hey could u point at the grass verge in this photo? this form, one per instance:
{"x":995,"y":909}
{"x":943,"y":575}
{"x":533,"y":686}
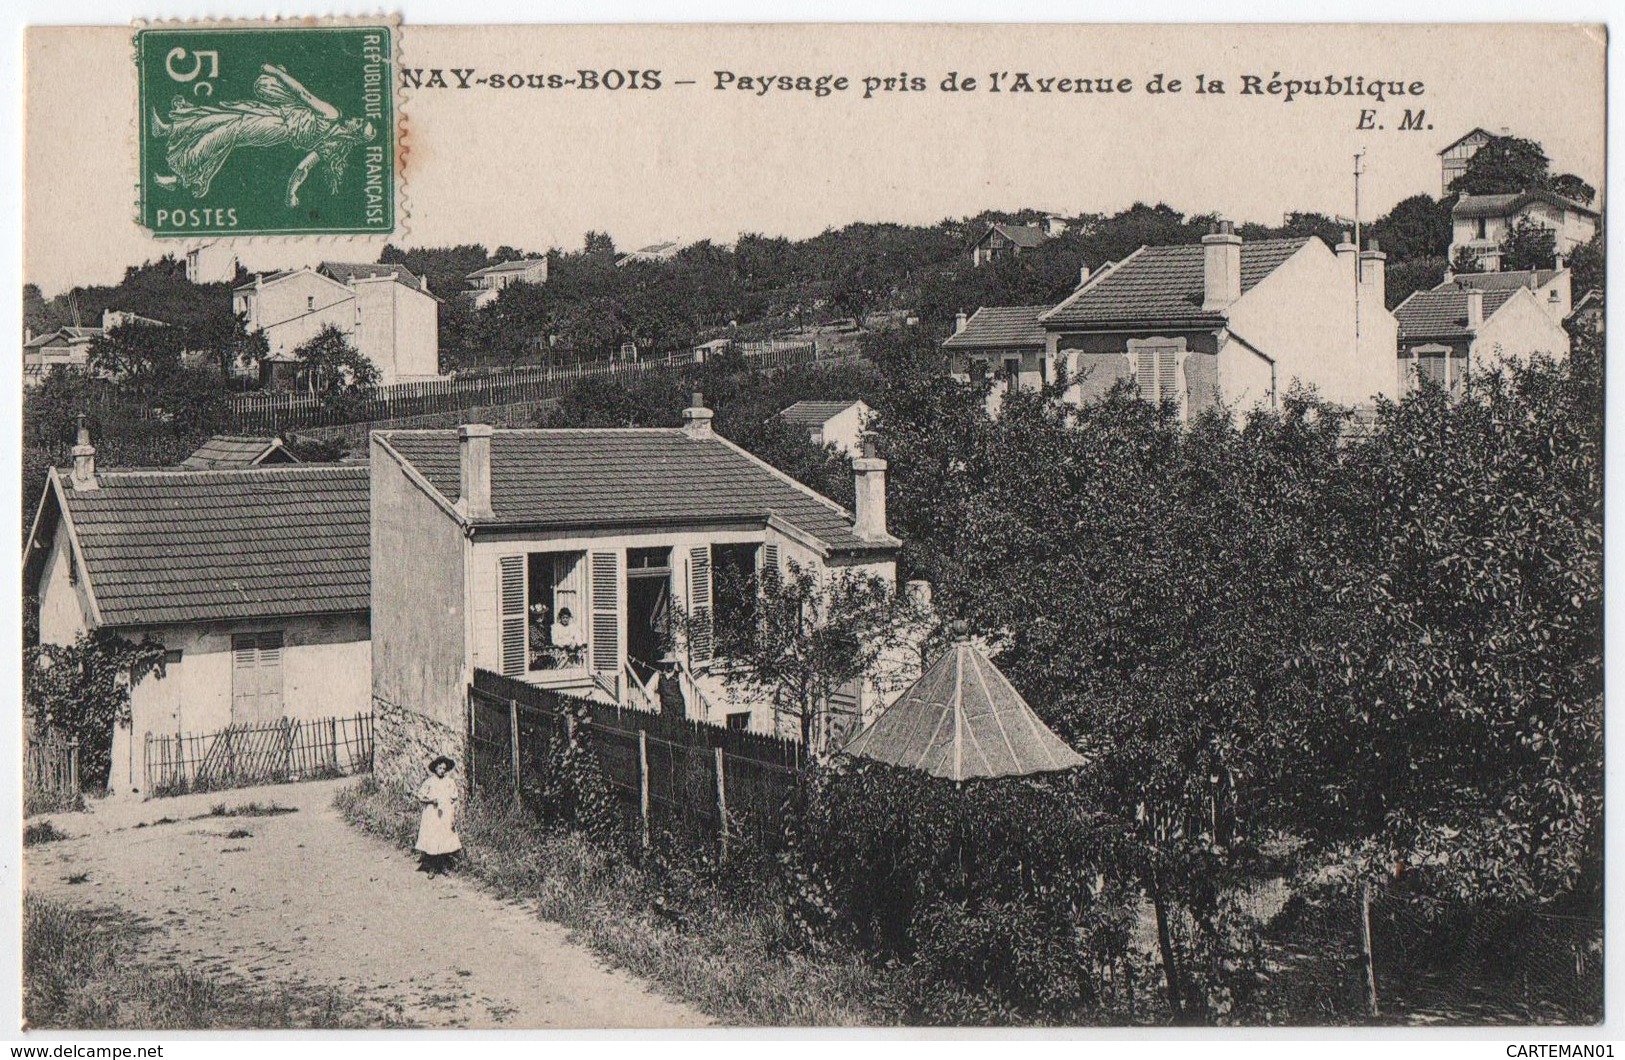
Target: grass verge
{"x":723,"y":954}
{"x":82,"y":970}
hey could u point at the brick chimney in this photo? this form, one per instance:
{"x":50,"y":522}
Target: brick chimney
{"x":84,"y":461}
{"x":960,"y":320}
{"x":1221,"y":267}
{"x":474,"y":461}
{"x":697,"y":418}
{"x":1374,"y":271}
{"x":869,"y":476}
{"x":1475,"y":308}
{"x":1083,"y":275}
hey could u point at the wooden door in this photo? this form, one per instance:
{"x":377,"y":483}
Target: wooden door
{"x":256,"y":678}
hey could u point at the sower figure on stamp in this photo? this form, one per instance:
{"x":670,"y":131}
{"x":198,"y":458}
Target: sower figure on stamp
{"x":202,"y":136}
{"x":437,"y":828}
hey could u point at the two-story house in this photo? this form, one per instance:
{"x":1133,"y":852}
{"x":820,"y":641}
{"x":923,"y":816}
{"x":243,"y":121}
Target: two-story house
{"x":388,"y":313}
{"x":560,"y":557}
{"x":1223,"y":323}
{"x":1469,"y":321}
{"x":485,"y":284}
{"x":254,"y":580}
{"x":1478,"y":223}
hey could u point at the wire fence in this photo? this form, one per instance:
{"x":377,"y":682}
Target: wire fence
{"x":241,"y":755}
{"x":1388,"y":954}
{"x":276,"y":412}
{"x":674,"y":779}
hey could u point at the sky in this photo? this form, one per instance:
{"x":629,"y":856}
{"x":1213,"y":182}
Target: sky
{"x":538,"y":168}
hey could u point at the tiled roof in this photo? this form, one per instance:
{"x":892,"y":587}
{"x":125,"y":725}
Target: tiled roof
{"x":185,"y":546}
{"x":1163,"y":285}
{"x":521,"y":265}
{"x":963,"y":719}
{"x":619,"y":477}
{"x":813,"y":413}
{"x":1442,"y":312}
{"x":1000,"y":325}
{"x":269,"y":277}
{"x":1502,"y":205}
{"x":1500,"y":281}
{"x":344,"y":272}
{"x":1022,"y":236}
{"x":234,"y":451}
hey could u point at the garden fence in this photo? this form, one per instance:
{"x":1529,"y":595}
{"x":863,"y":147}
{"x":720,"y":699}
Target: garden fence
{"x":276,"y":412}
{"x":261,"y":754}
{"x":1385,"y":954}
{"x":51,"y":769}
{"x":673,"y":777}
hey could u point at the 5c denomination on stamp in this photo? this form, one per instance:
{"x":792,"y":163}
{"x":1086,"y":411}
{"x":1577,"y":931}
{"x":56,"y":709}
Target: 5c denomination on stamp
{"x":285,"y":130}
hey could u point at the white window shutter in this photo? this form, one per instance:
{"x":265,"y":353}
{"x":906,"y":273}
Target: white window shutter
{"x":512,"y":607}
{"x":699,"y":606}
{"x":1145,"y":374}
{"x":606,"y":612}
{"x":772,"y":573}
{"x":1167,"y":374}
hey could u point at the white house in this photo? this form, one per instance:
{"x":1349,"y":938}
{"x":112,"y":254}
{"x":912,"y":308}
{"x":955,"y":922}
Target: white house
{"x":1222,"y":323}
{"x":484,"y":284}
{"x":1478,"y":223}
{"x":1468,"y":322}
{"x":558,"y":556}
{"x":255,"y":581}
{"x":211,"y":262}
{"x":389,"y":314}
{"x":837,"y":423}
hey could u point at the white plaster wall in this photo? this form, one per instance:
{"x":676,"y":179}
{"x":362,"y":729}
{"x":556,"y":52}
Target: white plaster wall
{"x":64,"y":608}
{"x":1302,"y":315}
{"x":1245,"y":378}
{"x":417,"y":334}
{"x":1519,"y":328}
{"x":280,"y":309}
{"x":326,"y":672}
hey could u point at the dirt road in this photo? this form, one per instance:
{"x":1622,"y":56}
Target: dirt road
{"x":302,"y":898}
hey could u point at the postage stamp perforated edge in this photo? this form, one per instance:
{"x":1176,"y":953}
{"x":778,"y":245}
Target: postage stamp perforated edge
{"x":398,"y":133}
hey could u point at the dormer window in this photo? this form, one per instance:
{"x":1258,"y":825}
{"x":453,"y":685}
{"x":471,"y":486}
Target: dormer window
{"x":310,"y":303}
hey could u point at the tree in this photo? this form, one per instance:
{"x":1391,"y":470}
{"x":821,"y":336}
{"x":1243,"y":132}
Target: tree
{"x":335,"y":372}
{"x":1416,"y":228}
{"x":598,"y":244}
{"x":804,"y":634}
{"x":137,"y":353}
{"x":83,"y":690}
{"x":1573,"y":188}
{"x":1504,"y":165}
{"x":1528,"y":245}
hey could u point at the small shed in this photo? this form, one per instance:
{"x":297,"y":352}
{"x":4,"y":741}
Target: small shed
{"x":233,"y":451}
{"x":963,"y":720}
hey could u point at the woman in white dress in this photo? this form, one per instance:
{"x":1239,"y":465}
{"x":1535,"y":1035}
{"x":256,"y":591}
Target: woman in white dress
{"x":437,"y":828}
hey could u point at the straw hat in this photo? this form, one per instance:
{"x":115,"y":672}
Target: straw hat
{"x":437,"y":759}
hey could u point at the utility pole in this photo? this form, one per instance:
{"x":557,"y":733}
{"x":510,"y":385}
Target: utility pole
{"x":1359,"y":266}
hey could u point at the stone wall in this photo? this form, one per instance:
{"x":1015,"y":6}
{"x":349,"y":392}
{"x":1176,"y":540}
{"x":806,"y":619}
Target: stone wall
{"x":405,"y":741}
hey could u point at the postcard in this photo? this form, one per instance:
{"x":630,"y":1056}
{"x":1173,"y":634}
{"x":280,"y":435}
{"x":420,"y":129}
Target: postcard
{"x":536,"y":527}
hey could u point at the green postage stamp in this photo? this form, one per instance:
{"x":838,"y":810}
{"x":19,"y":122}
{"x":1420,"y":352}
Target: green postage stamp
{"x":285,"y":130}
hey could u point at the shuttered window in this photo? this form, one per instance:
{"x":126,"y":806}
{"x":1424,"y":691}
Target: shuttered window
{"x":699,"y":606}
{"x":606,"y":612}
{"x":1156,"y":370}
{"x":772,"y":576}
{"x":256,"y":678}
{"x":511,"y":614}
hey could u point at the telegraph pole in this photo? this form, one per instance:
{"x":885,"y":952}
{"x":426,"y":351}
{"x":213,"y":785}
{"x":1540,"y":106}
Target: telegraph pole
{"x":1359,"y":266}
